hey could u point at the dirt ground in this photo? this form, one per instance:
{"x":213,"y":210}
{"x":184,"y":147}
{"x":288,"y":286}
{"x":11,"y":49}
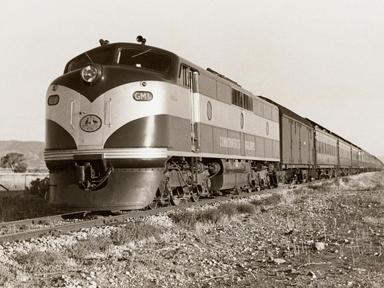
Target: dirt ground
{"x":324,"y":234}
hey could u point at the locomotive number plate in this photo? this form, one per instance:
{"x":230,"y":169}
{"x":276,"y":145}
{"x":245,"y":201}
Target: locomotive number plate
{"x":90,"y":123}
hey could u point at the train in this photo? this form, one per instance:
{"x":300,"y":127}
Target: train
{"x":131,"y":126}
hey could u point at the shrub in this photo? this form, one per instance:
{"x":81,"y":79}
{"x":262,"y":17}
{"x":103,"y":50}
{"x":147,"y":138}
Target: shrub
{"x":39,"y":187}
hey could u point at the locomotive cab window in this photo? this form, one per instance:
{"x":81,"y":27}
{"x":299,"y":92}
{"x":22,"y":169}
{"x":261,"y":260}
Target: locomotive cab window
{"x":103,"y":57}
{"x":144,"y":59}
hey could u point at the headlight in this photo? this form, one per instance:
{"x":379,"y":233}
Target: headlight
{"x":90,"y":73}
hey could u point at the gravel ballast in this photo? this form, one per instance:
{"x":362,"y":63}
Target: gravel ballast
{"x":328,"y":233}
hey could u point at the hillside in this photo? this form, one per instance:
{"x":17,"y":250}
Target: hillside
{"x":32,"y":150}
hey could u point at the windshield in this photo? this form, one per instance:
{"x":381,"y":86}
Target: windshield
{"x":146,"y":59}
{"x":103,"y":57}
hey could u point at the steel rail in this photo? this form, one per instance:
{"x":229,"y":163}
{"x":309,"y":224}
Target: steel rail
{"x":42,"y":220}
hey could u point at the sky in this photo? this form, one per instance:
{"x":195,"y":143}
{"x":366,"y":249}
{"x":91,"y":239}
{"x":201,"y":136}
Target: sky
{"x":322,"y":59}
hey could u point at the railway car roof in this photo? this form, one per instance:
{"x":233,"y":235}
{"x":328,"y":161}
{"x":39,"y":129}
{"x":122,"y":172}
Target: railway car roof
{"x":288,"y":112}
{"x":332,"y":133}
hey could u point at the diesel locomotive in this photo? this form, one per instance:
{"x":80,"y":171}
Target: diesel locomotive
{"x":130,"y":126}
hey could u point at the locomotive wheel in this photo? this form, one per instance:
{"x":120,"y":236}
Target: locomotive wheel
{"x":261,"y":184}
{"x":195,"y":194}
{"x":153,"y":205}
{"x":159,"y":200}
{"x":175,"y":201}
{"x":236,"y":191}
{"x":175,"y":198}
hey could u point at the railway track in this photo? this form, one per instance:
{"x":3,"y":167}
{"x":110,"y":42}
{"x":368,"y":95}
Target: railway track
{"x":70,"y":222}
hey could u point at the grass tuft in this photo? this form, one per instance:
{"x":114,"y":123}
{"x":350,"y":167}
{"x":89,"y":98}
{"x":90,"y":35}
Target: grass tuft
{"x":246,"y":208}
{"x":212,"y":215}
{"x":190,"y":218}
{"x":272,"y":200}
{"x":135,"y":231}
{"x":40,"y":261}
{"x":6,"y":275}
{"x":84,"y":248}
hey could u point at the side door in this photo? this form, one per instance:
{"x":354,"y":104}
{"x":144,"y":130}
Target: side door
{"x":300,"y":142}
{"x":287,"y":139}
{"x":295,"y":142}
{"x":305,"y":144}
{"x":310,"y":146}
{"x":191,"y":80}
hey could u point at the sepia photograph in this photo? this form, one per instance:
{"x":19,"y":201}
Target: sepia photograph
{"x":192,"y":143}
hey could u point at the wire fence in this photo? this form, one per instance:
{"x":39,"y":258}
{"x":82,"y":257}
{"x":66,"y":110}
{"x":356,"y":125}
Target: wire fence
{"x":18,"y":181}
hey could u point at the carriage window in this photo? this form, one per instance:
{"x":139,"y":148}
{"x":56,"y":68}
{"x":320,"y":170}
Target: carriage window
{"x":248,"y":102}
{"x":236,"y":98}
{"x":259,"y":108}
{"x":145,"y":59}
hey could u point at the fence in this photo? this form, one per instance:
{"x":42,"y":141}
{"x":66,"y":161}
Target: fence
{"x":18,"y":181}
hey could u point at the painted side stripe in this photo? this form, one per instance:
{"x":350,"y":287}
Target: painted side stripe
{"x":222,"y":156}
{"x":145,"y":153}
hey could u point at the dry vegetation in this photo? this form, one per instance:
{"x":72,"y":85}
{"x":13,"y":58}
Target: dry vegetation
{"x":15,"y":205}
{"x":325,"y":234}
